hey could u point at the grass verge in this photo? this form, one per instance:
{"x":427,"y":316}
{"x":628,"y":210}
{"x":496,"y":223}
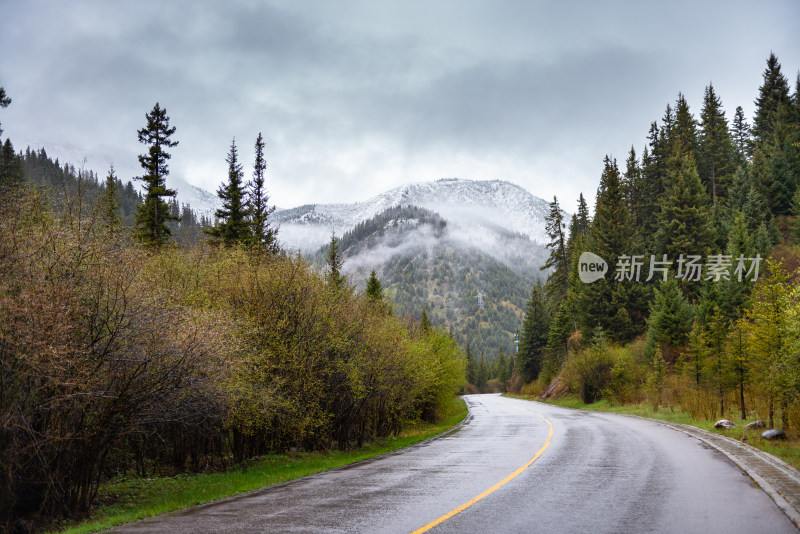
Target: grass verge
{"x":787,"y":450}
{"x":127,"y":499}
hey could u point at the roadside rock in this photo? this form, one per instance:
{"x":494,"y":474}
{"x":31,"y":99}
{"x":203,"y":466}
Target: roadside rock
{"x":756,"y":424}
{"x":774,"y":434}
{"x":724,"y":423}
{"x":557,"y":389}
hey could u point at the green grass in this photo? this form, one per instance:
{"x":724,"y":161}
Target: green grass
{"x":128,"y":499}
{"x":788,"y":450}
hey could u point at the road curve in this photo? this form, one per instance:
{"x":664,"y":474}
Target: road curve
{"x":513,"y":466}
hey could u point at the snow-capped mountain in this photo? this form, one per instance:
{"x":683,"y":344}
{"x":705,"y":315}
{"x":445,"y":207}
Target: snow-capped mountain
{"x":201,"y":201}
{"x":471,"y":205}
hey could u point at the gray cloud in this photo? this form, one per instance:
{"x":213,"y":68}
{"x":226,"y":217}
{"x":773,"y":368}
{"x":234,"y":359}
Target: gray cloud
{"x":355,"y":97}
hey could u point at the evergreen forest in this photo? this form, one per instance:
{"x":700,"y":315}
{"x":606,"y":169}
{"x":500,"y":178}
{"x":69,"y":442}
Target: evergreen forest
{"x":699,"y":306}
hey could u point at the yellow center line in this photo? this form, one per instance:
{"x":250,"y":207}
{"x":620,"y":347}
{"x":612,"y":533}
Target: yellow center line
{"x":497,"y":486}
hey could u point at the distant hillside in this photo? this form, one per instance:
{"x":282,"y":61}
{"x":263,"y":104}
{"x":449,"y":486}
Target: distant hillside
{"x":63,"y":184}
{"x":424,"y":261}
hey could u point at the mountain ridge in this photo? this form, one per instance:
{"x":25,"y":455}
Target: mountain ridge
{"x":468,"y":203}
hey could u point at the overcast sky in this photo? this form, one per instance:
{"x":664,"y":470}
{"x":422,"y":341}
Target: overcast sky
{"x":355,"y":97}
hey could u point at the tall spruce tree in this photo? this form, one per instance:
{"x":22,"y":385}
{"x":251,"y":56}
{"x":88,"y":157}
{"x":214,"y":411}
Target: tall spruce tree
{"x":232,"y":226}
{"x":684,"y":131}
{"x":533,"y":341}
{"x":263,"y":235}
{"x":425,"y":324}
{"x":634,"y":190}
{"x":583,"y":218}
{"x":558,"y":279}
{"x":110,"y":202}
{"x":374,"y":288}
{"x":616,"y":306}
{"x":685,"y":219}
{"x":737,"y":354}
{"x":740,"y":244}
{"x":334,"y":276}
{"x":470,"y":370}
{"x":717,"y":154}
{"x":782,"y":179}
{"x":739,"y":189}
{"x":670,"y":320}
{"x":773,"y":93}
{"x":11,"y":173}
{"x":654,"y":162}
{"x":610,"y":230}
{"x":153,"y":214}
{"x":742,"y":142}
{"x":561,"y":328}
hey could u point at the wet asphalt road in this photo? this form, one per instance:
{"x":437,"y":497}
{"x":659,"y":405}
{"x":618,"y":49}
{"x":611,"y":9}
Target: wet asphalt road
{"x":598,"y":473}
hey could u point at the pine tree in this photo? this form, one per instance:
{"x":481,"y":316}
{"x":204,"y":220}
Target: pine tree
{"x":685,"y":219}
{"x":653,"y":180}
{"x":655,"y":163}
{"x":110,"y":202}
{"x":720,"y":227}
{"x":742,"y":141}
{"x":231,"y":226}
{"x":656,"y":379}
{"x":754,"y":210}
{"x":425,"y":323}
{"x":614,"y":305}
{"x":335,"y":278}
{"x":501,"y":369}
{"x":665,"y":132}
{"x":471,"y":365}
{"x":4,"y":102}
{"x":740,"y":188}
{"x":782,"y":180}
{"x":693,"y":361}
{"x":716,"y":150}
{"x":772,"y":93}
{"x":738,"y":360}
{"x":558,"y":279}
{"x":533,"y":341}
{"x":264,"y":236}
{"x":610,"y":230}
{"x":374,"y":288}
{"x":583,"y":216}
{"x":684,"y":132}
{"x":153,"y":213}
{"x":635,"y":193}
{"x":670,"y":320}
{"x":11,"y":173}
{"x":740,"y":244}
{"x":717,"y":329}
{"x":561,"y":327}
{"x":481,"y":372}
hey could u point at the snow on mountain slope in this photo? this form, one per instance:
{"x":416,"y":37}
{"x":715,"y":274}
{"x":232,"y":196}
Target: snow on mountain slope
{"x":201,"y":201}
{"x":468,"y":204}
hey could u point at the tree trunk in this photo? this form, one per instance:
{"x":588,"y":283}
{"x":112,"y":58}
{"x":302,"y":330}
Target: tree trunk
{"x":741,"y":399}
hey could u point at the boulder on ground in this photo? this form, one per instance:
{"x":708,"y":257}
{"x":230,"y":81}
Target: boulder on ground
{"x":756,"y":424}
{"x":774,"y":434}
{"x":724,"y":423}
